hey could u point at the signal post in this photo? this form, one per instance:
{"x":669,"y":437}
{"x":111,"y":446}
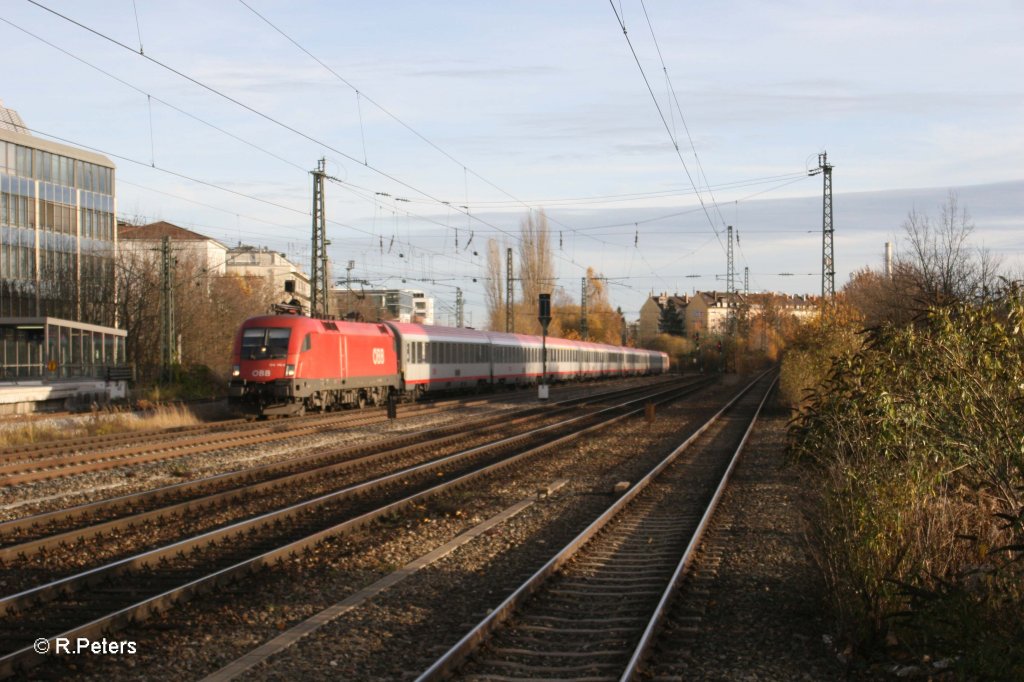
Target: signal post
{"x":544,"y":317}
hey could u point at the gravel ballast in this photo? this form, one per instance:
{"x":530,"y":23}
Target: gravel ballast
{"x":763,"y":617}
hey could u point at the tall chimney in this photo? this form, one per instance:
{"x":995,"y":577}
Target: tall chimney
{"x":887,"y":268}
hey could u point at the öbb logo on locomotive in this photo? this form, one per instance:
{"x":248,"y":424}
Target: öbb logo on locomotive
{"x":287,"y":364}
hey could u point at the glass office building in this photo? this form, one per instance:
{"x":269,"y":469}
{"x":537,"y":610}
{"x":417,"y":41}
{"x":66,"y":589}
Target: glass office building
{"x":57,"y":229}
{"x":52,"y":349}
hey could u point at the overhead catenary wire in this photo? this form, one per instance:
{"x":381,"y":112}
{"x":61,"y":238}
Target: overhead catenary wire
{"x":661,"y":115}
{"x":177,"y":174}
{"x":153,"y":97}
{"x":249,"y":108}
{"x":466,"y":170}
{"x":152,"y":163}
{"x":682,"y":118}
{"x":470,"y":216}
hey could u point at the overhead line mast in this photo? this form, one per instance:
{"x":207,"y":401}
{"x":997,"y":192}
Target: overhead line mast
{"x":318,"y":283}
{"x":730,"y":277}
{"x":828,"y":267}
{"x":510,"y":314}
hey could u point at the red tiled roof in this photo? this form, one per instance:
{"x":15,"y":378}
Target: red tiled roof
{"x":158,"y":230}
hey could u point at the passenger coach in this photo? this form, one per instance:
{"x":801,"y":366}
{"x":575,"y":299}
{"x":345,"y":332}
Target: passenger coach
{"x":286,"y":364}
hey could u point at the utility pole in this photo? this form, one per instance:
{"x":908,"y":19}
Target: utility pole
{"x":167,"y":307}
{"x":318,"y":283}
{"x":348,"y":285}
{"x":828,"y":268}
{"x":584,"y":328}
{"x":510,"y":318}
{"x":459,"y":319}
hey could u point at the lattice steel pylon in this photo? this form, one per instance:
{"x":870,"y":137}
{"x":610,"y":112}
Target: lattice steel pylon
{"x":168,"y":356}
{"x":318,"y":284}
{"x":730,"y":277}
{"x":510,"y":316}
{"x":828,"y":267}
{"x":584,"y":327}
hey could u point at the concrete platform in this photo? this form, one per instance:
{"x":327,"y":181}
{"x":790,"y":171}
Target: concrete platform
{"x":28,"y":396}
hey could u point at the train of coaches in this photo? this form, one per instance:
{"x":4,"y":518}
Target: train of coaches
{"x":288,"y":364}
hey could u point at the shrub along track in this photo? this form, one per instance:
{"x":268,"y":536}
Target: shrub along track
{"x":69,"y":606}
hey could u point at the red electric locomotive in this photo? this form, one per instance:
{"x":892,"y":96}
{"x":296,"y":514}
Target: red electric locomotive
{"x":286,"y":364}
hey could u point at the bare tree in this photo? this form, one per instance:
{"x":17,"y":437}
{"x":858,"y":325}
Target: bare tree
{"x":208,"y":310}
{"x":940,"y":266}
{"x":536,"y":269}
{"x":138,"y":311}
{"x":604,"y":323}
{"x":936,"y":266}
{"x":494,"y":288}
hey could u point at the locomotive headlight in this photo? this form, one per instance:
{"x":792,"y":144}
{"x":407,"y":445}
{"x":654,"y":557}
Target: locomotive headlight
{"x":235,"y":370}
{"x":289,"y":370}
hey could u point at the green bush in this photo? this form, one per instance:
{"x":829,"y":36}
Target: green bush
{"x":194,"y":382}
{"x":916,"y":446}
{"x":808,"y":357}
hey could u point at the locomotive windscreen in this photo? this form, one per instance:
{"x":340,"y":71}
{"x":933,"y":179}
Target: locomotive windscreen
{"x":265,"y":343}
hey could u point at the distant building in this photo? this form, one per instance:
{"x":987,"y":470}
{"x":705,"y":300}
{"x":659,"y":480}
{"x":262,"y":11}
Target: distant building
{"x":251,"y":261}
{"x":57,"y":229}
{"x":799,"y":307}
{"x":214,"y":258}
{"x":653,"y":312}
{"x":145,"y":242}
{"x":708,"y":312}
{"x":422,"y":308}
{"x":403,"y":305}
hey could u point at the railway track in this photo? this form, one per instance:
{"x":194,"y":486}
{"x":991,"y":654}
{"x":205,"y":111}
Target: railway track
{"x":594,"y":609}
{"x":68,"y":457}
{"x":213,"y":501}
{"x":108,"y":452}
{"x":108,"y":597}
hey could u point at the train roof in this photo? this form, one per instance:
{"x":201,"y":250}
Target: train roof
{"x":311,"y":324}
{"x":435,"y":333}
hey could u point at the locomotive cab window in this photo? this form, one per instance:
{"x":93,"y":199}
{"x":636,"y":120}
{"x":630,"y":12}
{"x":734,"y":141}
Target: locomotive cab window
{"x":307,"y":342}
{"x":262,"y":343}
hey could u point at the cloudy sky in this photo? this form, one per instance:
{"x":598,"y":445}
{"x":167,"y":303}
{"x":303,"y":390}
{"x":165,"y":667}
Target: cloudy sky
{"x":507,"y":107}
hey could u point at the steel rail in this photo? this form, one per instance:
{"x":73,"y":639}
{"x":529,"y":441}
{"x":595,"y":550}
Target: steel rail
{"x":457,"y":654}
{"x":643,"y":647}
{"x":27,"y":657}
{"x":59,"y":467}
{"x":177,"y":490}
{"x":56,"y":588}
{"x":321,"y":465}
{"x":71,"y":446}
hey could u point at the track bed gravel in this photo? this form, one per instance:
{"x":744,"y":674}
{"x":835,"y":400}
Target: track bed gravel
{"x":763,"y":618}
{"x":763,"y":610}
{"x":400,"y":632}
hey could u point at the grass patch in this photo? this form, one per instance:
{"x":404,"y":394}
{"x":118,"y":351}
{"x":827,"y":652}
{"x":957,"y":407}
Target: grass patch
{"x":102,"y":423}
